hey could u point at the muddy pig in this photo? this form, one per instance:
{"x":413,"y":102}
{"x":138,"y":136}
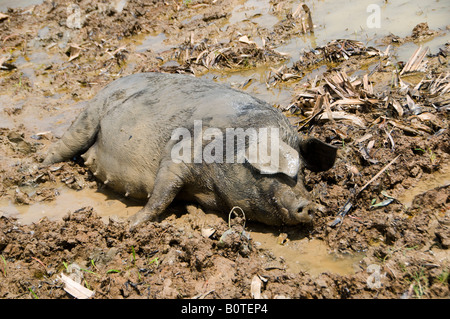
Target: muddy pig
{"x":166,"y":137}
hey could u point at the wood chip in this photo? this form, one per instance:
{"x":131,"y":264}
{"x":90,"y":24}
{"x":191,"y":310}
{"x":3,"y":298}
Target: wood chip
{"x":75,"y":289}
{"x":255,"y":287}
{"x":208,"y":232}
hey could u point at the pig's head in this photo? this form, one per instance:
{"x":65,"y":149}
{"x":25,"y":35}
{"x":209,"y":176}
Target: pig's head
{"x":275,"y":194}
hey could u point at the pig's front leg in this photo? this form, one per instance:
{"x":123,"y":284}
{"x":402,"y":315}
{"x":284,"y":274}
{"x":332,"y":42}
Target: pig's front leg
{"x":169,"y":181}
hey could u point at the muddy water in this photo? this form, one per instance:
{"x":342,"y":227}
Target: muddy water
{"x":333,"y":19}
{"x":337,"y":18}
{"x":437,"y":179}
{"x":155,"y":42}
{"x":307,"y":255}
{"x":255,"y":11}
{"x":5,"y":4}
{"x":106,"y":204}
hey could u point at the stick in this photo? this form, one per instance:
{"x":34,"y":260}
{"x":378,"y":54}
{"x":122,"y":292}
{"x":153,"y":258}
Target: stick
{"x":377,"y":175}
{"x":348,"y":205}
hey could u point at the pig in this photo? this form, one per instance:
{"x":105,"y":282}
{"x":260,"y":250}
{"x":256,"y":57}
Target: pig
{"x":135,"y":136}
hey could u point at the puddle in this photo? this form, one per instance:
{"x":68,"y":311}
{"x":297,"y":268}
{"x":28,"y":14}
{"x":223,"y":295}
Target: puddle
{"x":306,"y":255}
{"x":105,"y":203}
{"x":437,"y":179}
{"x":254,"y":82}
{"x":5,"y":4}
{"x":256,"y":11}
{"x":337,"y":19}
{"x":37,"y":119}
{"x":156,"y":43}
{"x":299,"y":254}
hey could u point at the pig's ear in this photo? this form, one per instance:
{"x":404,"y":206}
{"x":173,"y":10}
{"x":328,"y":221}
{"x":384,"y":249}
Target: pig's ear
{"x":317,"y":155}
{"x":287,"y":161}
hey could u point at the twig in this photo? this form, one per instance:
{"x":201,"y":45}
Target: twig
{"x":348,"y":205}
{"x":203,"y":295}
{"x":342,"y":212}
{"x":40,"y":262}
{"x":378,"y":175}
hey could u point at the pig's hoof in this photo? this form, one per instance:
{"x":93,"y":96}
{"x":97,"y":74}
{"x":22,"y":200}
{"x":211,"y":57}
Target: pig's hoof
{"x":138,"y":219}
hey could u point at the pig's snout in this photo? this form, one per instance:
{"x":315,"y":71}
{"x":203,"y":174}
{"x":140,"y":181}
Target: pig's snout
{"x":299,"y":211}
{"x":305,"y":213}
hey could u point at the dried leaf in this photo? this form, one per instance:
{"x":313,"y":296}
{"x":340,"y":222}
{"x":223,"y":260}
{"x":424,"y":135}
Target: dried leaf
{"x":398,"y":107}
{"x":403,"y":127}
{"x":391,"y":140}
{"x":289,"y":76}
{"x":413,"y":107}
{"x":429,"y":117}
{"x":340,"y":115}
{"x":383,"y":203}
{"x":370,"y":145}
{"x":347,"y":101}
{"x":245,"y":39}
{"x":415,"y":61}
{"x":326,"y":104}
{"x":74,"y":51}
{"x":366,"y":85}
{"x":364,"y":138}
{"x":421,"y":127}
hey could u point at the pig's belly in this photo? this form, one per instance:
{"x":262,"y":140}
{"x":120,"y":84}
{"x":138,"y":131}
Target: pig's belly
{"x":122,"y":166}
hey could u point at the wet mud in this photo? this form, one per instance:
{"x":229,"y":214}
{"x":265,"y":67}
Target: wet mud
{"x":383,"y":100}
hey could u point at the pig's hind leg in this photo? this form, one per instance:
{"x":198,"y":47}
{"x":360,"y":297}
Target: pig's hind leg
{"x":78,"y":138}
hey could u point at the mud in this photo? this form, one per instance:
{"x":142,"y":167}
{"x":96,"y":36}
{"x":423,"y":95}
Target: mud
{"x":394,"y":241}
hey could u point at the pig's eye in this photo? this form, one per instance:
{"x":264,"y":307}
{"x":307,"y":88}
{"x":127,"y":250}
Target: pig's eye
{"x":290,"y":180}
